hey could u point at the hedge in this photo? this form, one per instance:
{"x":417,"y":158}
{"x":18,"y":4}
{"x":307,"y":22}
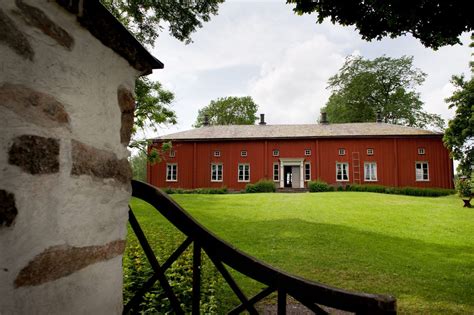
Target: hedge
{"x":262,"y":185}
{"x":409,"y":191}
{"x":210,"y":191}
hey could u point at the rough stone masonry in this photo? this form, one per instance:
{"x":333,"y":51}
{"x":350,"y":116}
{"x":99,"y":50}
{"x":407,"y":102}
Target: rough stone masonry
{"x":66,"y":108}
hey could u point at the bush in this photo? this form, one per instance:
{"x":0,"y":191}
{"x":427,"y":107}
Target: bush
{"x":464,"y":187}
{"x":209,"y":191}
{"x":319,"y":186}
{"x":409,"y":191}
{"x":263,"y":185}
{"x":137,"y":271}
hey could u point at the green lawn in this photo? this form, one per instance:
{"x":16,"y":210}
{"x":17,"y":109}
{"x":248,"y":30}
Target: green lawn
{"x":419,"y":249}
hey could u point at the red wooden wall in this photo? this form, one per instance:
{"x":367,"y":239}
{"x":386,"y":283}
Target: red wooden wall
{"x":395,"y":157}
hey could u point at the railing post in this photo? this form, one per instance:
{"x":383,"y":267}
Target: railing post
{"x":281,"y":302}
{"x":196,"y":278}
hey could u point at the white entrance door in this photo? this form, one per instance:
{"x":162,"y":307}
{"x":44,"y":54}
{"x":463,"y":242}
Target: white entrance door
{"x":295,"y":182}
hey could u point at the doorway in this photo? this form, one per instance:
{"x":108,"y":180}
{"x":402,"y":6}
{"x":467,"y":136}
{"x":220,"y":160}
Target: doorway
{"x":287,"y":176}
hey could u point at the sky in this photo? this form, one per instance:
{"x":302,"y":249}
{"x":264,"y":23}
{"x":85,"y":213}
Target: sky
{"x":283,"y":61}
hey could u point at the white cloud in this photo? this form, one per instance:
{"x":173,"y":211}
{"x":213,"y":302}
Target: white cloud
{"x":293,"y":89}
{"x":284,"y":61}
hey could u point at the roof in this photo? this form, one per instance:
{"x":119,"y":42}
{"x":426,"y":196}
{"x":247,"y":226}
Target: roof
{"x":235,"y":132}
{"x":93,"y":16}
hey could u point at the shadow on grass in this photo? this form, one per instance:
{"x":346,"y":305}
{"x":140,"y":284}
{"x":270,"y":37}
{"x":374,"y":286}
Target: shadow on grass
{"x":358,"y":260}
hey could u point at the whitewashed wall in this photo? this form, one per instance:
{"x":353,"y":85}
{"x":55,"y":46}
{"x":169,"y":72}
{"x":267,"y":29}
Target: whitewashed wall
{"x":64,"y":176}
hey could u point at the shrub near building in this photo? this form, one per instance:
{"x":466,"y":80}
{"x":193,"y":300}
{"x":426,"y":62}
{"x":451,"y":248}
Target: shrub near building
{"x":261,"y":186}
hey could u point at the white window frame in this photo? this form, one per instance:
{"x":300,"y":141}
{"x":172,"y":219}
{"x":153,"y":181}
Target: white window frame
{"x":421,"y":151}
{"x":307,"y":152}
{"x":276,"y":171}
{"x":172,"y":153}
{"x":276,"y":152}
{"x":169,"y":172}
{"x":372,"y":172}
{"x":422,"y":179}
{"x":370,"y":151}
{"x":217,"y":165}
{"x":244,"y":166}
{"x":342,"y":171}
{"x":243,"y":153}
{"x":342,"y":151}
{"x":217,"y":153}
{"x":307,"y":167}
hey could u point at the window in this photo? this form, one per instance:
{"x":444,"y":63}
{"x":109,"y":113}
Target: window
{"x":276,"y":172}
{"x":243,"y":153}
{"x":307,"y":171}
{"x":307,"y":152}
{"x":276,"y":152}
{"x":244,"y":173}
{"x":370,"y":171}
{"x":172,"y":153}
{"x":216,"y":172}
{"x":422,"y":172}
{"x":342,"y":151}
{"x":171,"y":172}
{"x":342,"y":172}
{"x":217,"y":153}
{"x":421,"y":151}
{"x":370,"y":151}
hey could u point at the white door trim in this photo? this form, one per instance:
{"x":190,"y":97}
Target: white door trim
{"x":292,"y":162}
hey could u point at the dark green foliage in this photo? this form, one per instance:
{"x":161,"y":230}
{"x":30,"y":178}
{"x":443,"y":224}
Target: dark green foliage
{"x":459,"y":136}
{"x":319,"y":186}
{"x":137,"y":271}
{"x":409,"y":191}
{"x":435,"y":22}
{"x":386,"y":85}
{"x":145,"y":19}
{"x":152,"y":109}
{"x":229,"y":111}
{"x":138,"y":164}
{"x":465,"y":187}
{"x":261,"y":186}
{"x":208,"y":191}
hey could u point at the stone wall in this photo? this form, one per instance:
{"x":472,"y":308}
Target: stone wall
{"x":66,"y":109}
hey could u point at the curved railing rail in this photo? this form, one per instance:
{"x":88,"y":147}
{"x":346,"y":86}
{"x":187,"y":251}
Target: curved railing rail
{"x":309,"y":293}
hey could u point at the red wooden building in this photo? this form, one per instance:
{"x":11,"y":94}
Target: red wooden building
{"x":291,"y":155}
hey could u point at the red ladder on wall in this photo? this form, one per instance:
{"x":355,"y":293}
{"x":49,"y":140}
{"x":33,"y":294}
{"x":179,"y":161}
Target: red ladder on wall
{"x":355,"y":168}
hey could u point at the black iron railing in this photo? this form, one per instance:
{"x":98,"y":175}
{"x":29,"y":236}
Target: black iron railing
{"x":311,"y":294}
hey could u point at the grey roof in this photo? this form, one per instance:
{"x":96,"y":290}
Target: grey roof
{"x":233,"y":132}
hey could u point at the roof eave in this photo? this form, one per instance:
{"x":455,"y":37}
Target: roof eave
{"x":103,"y":25}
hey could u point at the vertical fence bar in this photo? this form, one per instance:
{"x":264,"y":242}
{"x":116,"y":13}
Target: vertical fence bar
{"x":281,"y":302}
{"x":196,"y":278}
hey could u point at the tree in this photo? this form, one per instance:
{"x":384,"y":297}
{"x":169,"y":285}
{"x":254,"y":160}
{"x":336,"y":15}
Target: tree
{"x":434,"y":22}
{"x":459,"y":136}
{"x":138,"y":163}
{"x":364,"y":87}
{"x":152,"y":108}
{"x":145,"y":18}
{"x":229,"y":111}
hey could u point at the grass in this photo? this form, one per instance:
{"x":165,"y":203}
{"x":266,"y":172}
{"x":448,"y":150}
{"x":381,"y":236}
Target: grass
{"x":419,"y":249}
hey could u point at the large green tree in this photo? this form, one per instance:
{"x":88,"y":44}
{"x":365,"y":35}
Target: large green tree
{"x":386,"y":85}
{"x":228,"y":111}
{"x":459,"y":136}
{"x":147,"y":18}
{"x":434,"y":22}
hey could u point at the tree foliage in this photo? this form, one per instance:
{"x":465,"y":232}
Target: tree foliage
{"x":152,"y":109}
{"x":387,"y":85}
{"x":459,"y":136}
{"x":434,"y":22}
{"x":147,"y":18}
{"x":229,"y":111}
